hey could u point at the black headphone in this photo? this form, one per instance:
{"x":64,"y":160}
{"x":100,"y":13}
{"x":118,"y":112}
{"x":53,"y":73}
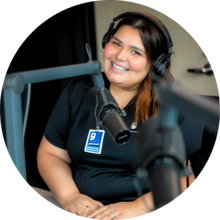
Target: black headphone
{"x":162,"y":62}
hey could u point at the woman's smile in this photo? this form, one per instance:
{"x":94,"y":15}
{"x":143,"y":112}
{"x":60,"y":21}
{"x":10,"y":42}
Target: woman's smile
{"x":118,"y":68}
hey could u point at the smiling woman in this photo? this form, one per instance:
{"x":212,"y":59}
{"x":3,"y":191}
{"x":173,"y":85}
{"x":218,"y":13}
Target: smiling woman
{"x":101,"y":185}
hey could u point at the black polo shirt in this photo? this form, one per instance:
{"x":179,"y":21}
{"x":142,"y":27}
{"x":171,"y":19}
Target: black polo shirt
{"x":107,"y":177}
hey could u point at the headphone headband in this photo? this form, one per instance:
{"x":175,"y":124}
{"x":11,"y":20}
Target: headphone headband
{"x":150,"y":17}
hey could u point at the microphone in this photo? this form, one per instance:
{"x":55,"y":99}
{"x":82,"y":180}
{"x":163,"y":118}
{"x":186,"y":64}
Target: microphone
{"x":207,"y":69}
{"x":104,"y":108}
{"x":161,"y":156}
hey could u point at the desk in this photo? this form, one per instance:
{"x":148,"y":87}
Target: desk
{"x":47,"y":195}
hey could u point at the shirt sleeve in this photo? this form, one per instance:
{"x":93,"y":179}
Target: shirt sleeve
{"x":56,"y":131}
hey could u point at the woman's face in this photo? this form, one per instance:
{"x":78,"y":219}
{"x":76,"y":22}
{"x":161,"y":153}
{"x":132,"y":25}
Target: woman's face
{"x":125,"y":60}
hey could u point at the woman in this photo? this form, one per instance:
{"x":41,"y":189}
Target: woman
{"x":101,"y":185}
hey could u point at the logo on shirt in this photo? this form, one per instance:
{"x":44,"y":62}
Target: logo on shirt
{"x":95,"y":138}
{"x":134,"y":127}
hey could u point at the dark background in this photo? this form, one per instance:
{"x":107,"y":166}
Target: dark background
{"x":58,"y":41}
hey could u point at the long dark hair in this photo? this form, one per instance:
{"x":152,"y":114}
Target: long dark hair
{"x":155,"y":44}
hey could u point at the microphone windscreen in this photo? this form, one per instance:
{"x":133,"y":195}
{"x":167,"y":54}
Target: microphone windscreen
{"x":90,"y":100}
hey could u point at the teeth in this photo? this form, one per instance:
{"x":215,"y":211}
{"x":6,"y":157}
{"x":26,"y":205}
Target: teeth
{"x":119,"y":67}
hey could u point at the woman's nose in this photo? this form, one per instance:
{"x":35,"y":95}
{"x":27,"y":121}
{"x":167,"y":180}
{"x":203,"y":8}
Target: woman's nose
{"x":122,"y":54}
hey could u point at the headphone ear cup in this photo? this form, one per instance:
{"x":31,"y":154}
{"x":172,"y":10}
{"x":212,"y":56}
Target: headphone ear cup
{"x":159,"y":66}
{"x":104,"y":40}
{"x":107,"y":37}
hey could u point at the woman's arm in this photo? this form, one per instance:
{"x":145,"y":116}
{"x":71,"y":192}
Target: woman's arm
{"x":53,"y":165}
{"x":145,"y":202}
{"x":183,"y":179}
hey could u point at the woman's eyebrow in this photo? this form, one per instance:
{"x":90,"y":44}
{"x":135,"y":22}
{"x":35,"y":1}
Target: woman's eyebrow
{"x":136,"y":48}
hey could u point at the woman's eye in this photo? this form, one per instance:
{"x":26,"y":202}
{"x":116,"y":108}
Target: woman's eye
{"x":115,"y":43}
{"x":118,"y":45}
{"x":135,"y":52}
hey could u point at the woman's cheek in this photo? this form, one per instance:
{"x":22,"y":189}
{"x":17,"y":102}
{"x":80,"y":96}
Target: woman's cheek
{"x":138,"y":64}
{"x":109,"y":50}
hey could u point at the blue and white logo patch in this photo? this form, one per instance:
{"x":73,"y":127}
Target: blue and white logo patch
{"x":94,"y":141}
{"x":135,"y":127}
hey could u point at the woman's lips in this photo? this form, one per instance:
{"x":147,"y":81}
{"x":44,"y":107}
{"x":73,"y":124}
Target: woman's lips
{"x":119,"y":68}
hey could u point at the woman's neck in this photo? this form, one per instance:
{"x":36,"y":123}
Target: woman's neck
{"x":122,"y":95}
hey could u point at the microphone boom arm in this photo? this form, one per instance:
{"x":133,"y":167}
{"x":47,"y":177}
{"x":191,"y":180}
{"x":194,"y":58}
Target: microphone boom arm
{"x":199,"y":109}
{"x":13,"y":87}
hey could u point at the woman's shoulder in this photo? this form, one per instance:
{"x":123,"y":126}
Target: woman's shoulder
{"x":85,"y":82}
{"x":79,"y":84}
{"x":81,"y":80}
